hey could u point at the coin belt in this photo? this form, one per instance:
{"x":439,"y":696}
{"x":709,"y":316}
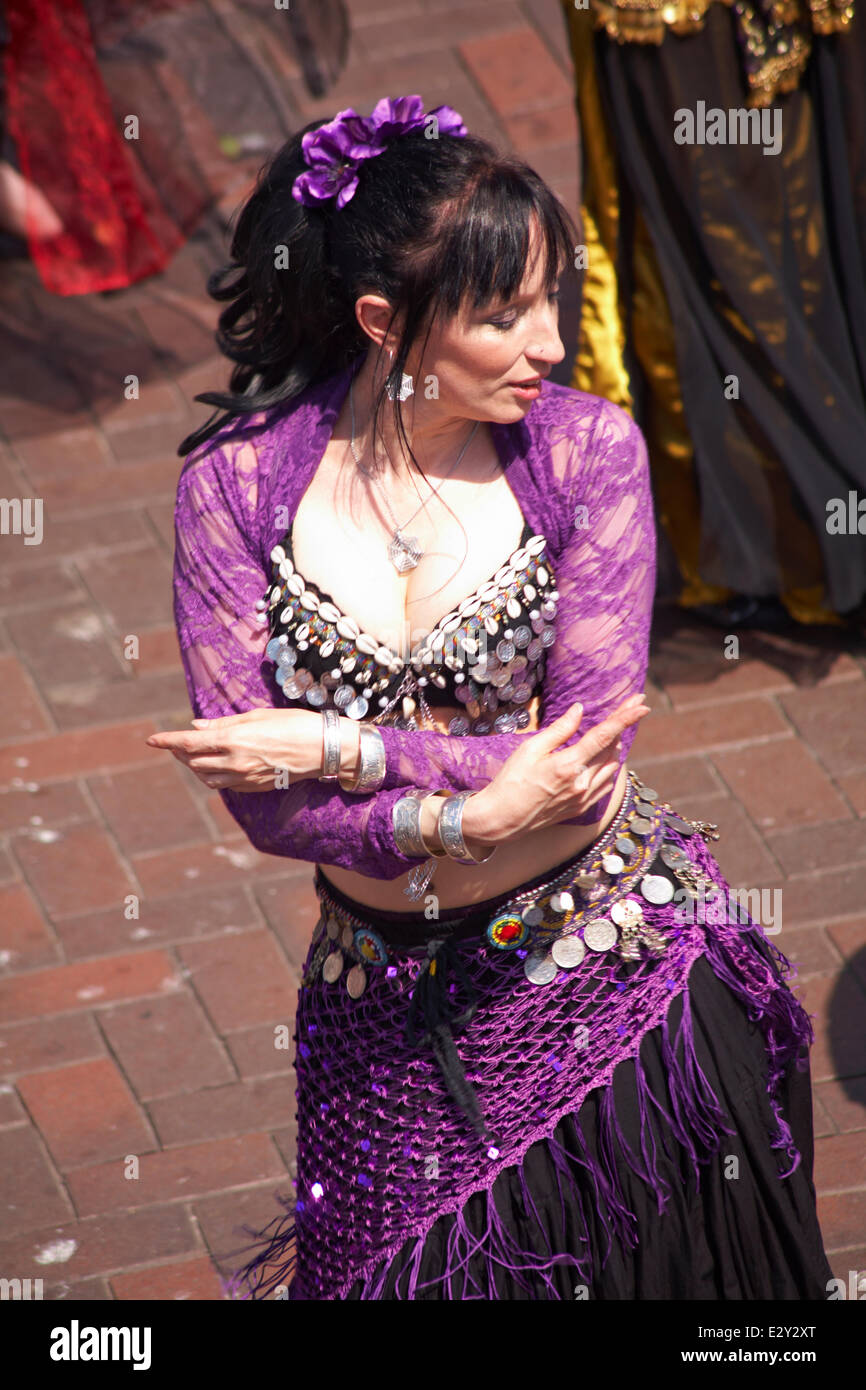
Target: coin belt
{"x":585,"y":908}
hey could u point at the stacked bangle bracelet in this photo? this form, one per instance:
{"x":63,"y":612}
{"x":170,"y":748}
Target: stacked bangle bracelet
{"x":406,"y":820}
{"x":371,"y":772}
{"x":450,"y":828}
{"x":406,"y":813}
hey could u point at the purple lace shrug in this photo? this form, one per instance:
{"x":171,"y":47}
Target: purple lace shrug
{"x":577,"y":465}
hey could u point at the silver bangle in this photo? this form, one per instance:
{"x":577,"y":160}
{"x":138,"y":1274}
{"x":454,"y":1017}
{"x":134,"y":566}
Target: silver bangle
{"x":372,"y":769}
{"x":450,"y":828}
{"x":406,"y":820}
{"x":332,"y":746}
{"x":435,"y":853}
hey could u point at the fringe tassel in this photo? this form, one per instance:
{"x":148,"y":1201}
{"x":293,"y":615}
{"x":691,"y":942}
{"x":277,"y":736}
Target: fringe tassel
{"x":660,"y":1187}
{"x":281,"y":1249}
{"x":697,"y":1115}
{"x":756,"y":975}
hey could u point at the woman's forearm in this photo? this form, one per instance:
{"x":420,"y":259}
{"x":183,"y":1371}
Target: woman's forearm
{"x":483,"y":827}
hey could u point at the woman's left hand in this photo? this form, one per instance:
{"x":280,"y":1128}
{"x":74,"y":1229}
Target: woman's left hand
{"x":246,"y":752}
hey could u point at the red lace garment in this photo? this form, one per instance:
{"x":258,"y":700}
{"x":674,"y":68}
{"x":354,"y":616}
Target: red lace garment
{"x":131,"y":117}
{"x":578,"y":467}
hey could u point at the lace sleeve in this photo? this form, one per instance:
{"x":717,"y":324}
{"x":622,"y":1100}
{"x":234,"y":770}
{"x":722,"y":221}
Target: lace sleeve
{"x":218,"y":577}
{"x":605,"y":576}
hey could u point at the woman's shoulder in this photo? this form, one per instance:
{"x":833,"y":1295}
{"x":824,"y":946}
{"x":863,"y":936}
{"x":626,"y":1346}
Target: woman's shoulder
{"x":249,"y":442}
{"x":574,"y":428}
{"x":218,"y":452}
{"x":566,"y":405}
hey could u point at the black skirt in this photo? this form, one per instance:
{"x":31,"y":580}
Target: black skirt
{"x":735,"y":1230}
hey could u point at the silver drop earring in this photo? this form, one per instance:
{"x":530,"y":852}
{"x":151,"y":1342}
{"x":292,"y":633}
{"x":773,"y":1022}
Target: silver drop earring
{"x":406,"y":387}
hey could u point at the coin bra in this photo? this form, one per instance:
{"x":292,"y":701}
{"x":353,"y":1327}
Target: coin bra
{"x":488,"y":654}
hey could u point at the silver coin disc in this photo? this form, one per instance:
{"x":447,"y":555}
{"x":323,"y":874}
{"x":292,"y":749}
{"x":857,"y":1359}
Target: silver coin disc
{"x":627,"y":912}
{"x":356,"y":981}
{"x":568,"y":951}
{"x":639,"y":825}
{"x":343,"y":696}
{"x":600,"y":935}
{"x":673,"y":857}
{"x":333,"y":967}
{"x":656,"y":889}
{"x":540,"y":968}
{"x":677,"y":823}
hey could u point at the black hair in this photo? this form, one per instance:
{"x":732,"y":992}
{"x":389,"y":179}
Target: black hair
{"x":433,"y":222}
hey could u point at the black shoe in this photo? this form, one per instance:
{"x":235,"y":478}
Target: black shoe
{"x":745,"y":610}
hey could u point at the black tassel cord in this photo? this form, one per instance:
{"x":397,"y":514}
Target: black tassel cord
{"x":432,"y":1020}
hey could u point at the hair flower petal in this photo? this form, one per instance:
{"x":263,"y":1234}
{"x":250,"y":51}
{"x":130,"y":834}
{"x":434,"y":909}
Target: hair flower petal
{"x":450,"y":122}
{"x":395,"y":115}
{"x":334,"y":151}
{"x":348,"y":135}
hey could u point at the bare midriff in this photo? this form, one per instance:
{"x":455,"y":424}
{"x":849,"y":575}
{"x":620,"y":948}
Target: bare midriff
{"x":515,"y":861}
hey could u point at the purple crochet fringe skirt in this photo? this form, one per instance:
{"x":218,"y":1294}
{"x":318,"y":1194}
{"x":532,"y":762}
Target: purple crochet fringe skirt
{"x":585,"y":1088}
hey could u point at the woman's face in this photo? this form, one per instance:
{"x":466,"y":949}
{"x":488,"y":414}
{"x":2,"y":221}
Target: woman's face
{"x":479,"y":356}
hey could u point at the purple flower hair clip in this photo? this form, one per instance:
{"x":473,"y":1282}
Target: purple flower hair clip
{"x":336,"y":149}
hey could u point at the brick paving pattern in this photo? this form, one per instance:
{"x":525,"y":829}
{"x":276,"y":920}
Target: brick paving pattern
{"x":156,"y":1033}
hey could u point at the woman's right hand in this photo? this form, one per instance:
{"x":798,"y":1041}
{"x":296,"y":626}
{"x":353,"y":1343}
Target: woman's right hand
{"x":543,"y":784}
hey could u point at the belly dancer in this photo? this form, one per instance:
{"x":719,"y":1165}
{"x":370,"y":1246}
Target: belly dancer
{"x":541,"y":1052}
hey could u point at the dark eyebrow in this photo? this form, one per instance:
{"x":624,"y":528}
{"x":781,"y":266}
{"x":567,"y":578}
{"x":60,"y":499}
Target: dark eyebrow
{"x":518,"y":299}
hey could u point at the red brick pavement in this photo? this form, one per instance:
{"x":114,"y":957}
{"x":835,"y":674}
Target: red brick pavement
{"x":150,"y":955}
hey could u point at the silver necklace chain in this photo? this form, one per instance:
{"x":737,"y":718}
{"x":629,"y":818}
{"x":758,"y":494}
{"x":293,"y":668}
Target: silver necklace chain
{"x":404,"y":551}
